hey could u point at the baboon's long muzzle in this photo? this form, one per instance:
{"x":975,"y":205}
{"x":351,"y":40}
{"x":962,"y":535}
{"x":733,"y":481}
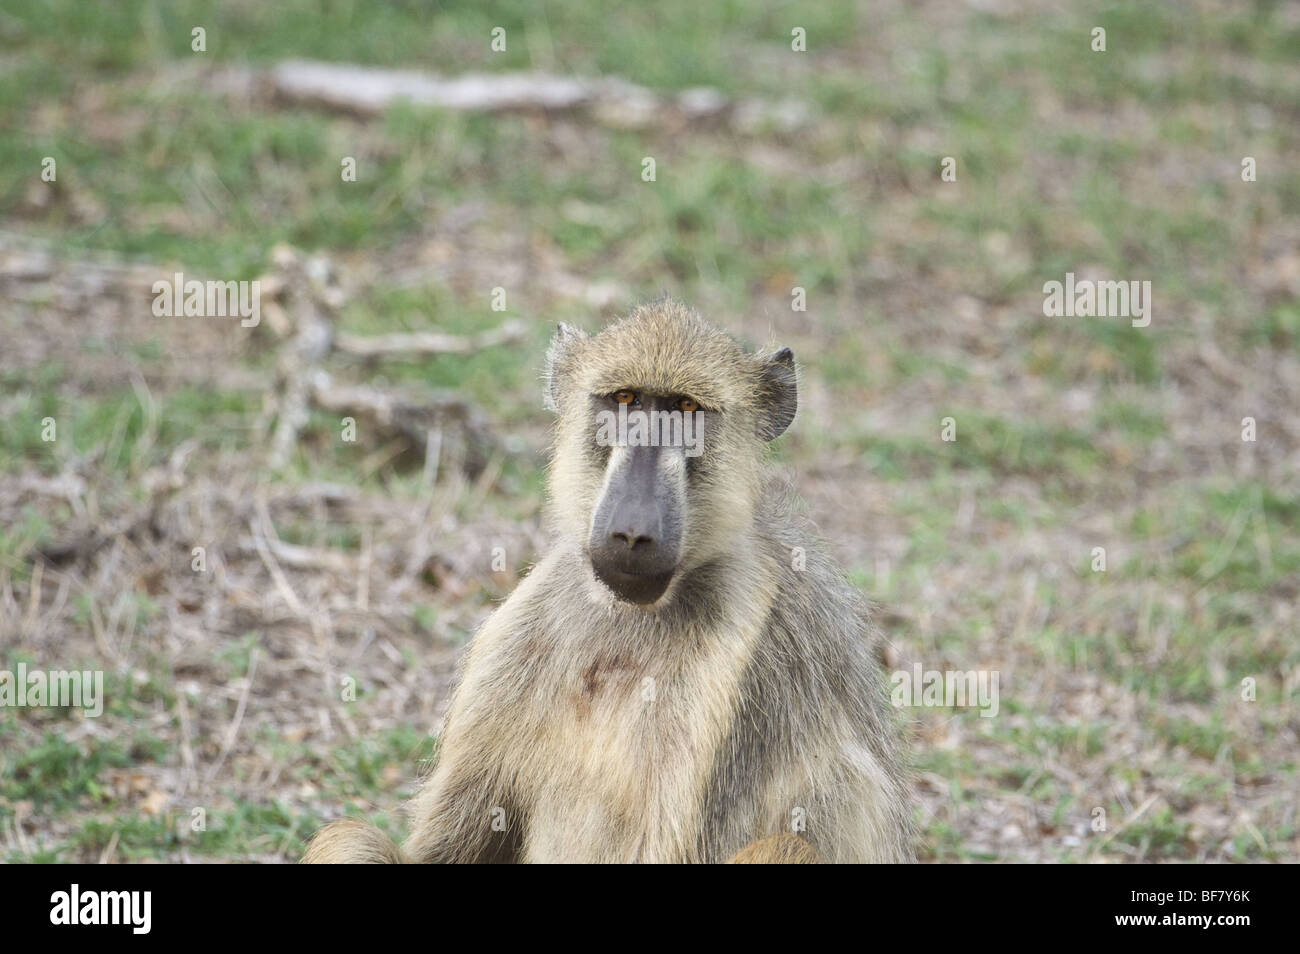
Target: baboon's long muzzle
{"x":636,"y":532}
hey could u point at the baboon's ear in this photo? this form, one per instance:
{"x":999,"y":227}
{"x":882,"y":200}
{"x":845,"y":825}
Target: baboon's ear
{"x":779,"y":395}
{"x":564,"y":346}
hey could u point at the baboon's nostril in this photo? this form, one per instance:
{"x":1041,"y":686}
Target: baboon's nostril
{"x":632,"y":541}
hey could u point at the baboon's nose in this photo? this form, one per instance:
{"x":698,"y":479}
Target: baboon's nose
{"x":631,"y":558}
{"x":633,"y":540}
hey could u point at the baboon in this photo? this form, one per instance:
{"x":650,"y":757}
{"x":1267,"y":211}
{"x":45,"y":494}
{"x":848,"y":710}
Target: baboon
{"x":684,"y":677}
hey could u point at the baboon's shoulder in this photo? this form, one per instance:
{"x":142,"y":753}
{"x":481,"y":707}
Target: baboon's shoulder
{"x":808,"y":578}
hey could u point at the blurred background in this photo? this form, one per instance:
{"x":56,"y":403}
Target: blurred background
{"x":278,"y":603}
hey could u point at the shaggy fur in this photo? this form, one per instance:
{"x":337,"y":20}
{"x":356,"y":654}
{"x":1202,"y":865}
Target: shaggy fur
{"x":743,"y":707}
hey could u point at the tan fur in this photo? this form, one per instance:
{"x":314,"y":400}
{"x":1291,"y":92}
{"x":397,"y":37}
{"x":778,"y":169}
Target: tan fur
{"x":741,"y":708}
{"x":352,"y":841}
{"x":784,"y":849}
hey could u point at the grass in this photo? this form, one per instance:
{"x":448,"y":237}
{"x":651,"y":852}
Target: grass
{"x":924,"y":302}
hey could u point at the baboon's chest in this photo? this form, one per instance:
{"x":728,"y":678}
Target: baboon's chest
{"x":628,"y":748}
{"x":613,"y":684}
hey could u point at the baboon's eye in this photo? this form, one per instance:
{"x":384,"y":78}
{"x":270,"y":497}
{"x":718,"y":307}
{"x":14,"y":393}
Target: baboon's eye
{"x":624,"y":397}
{"x":688,"y":405}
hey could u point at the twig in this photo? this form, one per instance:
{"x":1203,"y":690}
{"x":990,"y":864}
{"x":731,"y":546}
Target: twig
{"x":232,"y":731}
{"x":428,"y":342}
{"x":187,"y":744}
{"x":300,"y":557}
{"x":1141,"y":810}
{"x":281,"y":581}
{"x":106,"y":856}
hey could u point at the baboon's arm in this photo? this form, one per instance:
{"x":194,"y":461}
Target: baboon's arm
{"x":463,"y":816}
{"x":470,"y":810}
{"x":458,"y":818}
{"x":466,"y":811}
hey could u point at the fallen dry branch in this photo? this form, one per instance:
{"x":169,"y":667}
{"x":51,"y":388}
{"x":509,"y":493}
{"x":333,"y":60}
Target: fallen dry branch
{"x":428,"y":342}
{"x":368,"y":91}
{"x":299,"y":557}
{"x":301,"y":357}
{"x":424,"y":422}
{"x":419,"y":418}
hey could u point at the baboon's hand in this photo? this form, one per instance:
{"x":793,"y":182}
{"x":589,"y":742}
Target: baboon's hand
{"x":784,"y":849}
{"x":350,"y":841}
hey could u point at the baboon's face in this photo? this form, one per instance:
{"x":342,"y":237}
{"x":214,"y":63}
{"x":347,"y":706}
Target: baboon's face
{"x":662,"y":424}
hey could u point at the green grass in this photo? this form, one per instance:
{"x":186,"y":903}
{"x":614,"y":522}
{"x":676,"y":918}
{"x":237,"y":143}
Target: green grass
{"x":59,"y":775}
{"x":1123,"y":163}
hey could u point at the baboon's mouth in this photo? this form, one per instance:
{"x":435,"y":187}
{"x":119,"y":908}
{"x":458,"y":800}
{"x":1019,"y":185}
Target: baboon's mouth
{"x":642,"y":589}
